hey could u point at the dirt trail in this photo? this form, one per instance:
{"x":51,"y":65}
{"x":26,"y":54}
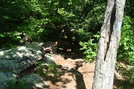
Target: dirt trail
{"x":78,"y":75}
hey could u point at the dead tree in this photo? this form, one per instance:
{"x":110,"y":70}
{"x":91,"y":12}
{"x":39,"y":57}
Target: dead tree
{"x":108,"y":45}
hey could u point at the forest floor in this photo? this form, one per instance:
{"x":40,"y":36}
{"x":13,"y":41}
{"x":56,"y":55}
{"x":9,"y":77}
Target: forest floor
{"x":77,"y":74}
{"x":74,"y":73}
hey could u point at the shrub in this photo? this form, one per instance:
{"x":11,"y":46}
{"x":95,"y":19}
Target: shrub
{"x":13,"y":84}
{"x":90,"y":48}
{"x":126,"y":48}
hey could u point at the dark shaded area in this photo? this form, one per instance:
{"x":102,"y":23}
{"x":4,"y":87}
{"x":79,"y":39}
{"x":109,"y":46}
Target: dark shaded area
{"x":123,"y":84}
{"x":45,"y":21}
{"x":79,"y":77}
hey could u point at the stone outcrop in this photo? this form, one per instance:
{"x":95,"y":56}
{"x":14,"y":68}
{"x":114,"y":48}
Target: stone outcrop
{"x":14,"y":61}
{"x":33,"y":80}
{"x":19,"y":58}
{"x":48,"y":59}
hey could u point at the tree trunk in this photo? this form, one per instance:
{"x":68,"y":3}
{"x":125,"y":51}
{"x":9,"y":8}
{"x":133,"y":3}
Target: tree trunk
{"x":108,"y":45}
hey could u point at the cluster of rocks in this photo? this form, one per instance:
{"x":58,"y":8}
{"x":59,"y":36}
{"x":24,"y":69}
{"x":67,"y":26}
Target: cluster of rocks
{"x":14,"y":61}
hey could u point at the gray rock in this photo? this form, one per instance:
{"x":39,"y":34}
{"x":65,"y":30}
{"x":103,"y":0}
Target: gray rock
{"x":6,"y":76}
{"x":15,"y":60}
{"x":48,"y":59}
{"x":18,"y":59}
{"x":33,"y":80}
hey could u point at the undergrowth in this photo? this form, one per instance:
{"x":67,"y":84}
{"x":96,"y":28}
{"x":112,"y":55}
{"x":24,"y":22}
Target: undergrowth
{"x":13,"y":84}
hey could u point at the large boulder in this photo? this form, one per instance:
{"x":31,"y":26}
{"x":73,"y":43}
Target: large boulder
{"x":19,"y":58}
{"x":16,"y":61}
{"x":33,"y":80}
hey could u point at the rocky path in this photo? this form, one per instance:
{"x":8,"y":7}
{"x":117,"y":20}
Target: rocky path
{"x":78,"y":75}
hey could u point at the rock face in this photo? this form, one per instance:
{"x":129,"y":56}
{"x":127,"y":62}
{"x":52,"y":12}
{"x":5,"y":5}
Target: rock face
{"x":33,"y":80}
{"x":49,"y":59}
{"x":18,"y":59}
{"x":14,"y":61}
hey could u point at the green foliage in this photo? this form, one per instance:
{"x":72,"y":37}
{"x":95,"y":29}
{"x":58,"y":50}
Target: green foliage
{"x":127,"y":73}
{"x":126,"y":49}
{"x":13,"y":20}
{"x":11,"y":39}
{"x":13,"y":84}
{"x":51,"y":71}
{"x":90,"y":48}
{"x":126,"y":85}
{"x":131,"y":78}
{"x":46,"y":20}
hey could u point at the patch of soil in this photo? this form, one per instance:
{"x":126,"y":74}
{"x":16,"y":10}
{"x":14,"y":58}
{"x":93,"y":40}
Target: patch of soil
{"x":77,"y":74}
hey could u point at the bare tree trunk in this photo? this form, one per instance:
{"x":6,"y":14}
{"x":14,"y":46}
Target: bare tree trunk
{"x":108,"y":45}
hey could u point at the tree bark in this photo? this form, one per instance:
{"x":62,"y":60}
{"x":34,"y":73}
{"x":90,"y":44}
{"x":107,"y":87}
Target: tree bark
{"x":108,"y":45}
